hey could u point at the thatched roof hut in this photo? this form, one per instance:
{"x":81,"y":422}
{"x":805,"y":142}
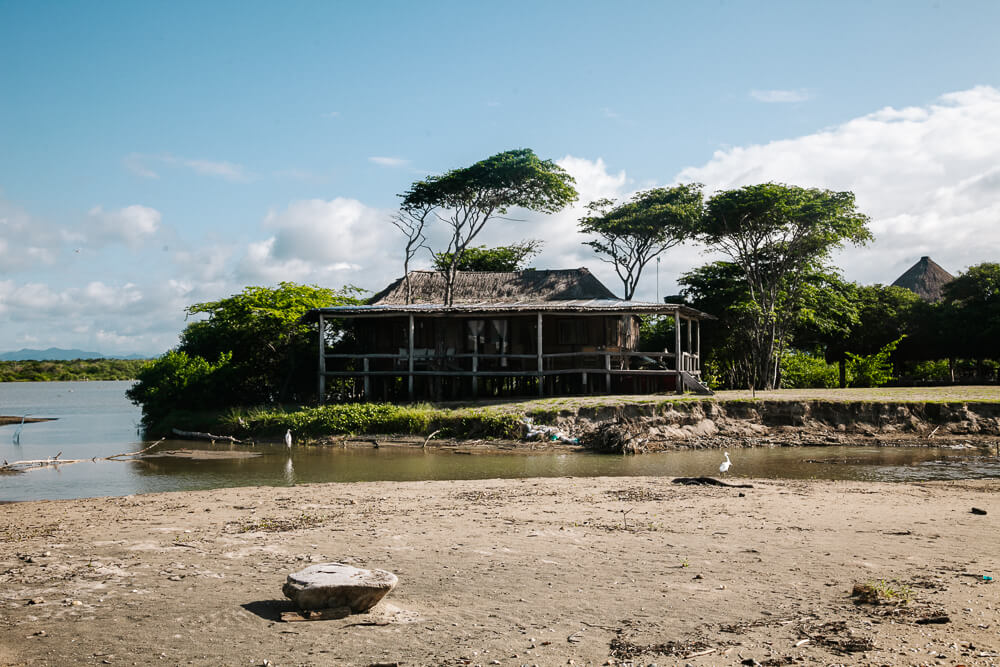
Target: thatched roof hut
{"x":506,"y":334}
{"x":926,"y":279}
{"x":534,"y":286}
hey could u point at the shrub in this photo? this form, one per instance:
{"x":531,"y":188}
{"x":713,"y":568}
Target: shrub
{"x":801,"y":370}
{"x":874,"y":370}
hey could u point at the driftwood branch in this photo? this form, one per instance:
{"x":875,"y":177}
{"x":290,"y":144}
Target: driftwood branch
{"x":430,"y":436}
{"x":34,"y":464}
{"x":708,"y":481}
{"x":196,"y":435}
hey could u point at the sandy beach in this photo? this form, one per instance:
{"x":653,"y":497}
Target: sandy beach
{"x":584,"y":571}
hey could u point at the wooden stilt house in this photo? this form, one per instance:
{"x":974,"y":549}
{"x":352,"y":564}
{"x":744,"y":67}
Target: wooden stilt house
{"x":534,"y":332}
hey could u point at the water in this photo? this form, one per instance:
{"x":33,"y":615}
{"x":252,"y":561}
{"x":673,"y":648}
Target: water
{"x":95,"y":419}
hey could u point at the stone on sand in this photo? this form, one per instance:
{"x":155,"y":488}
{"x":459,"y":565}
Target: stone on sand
{"x":330,"y":585}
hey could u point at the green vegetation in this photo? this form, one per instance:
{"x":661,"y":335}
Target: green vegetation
{"x":631,"y":234}
{"x":502,"y":258}
{"x":76,"y":369}
{"x":358,"y":418}
{"x":800,"y":370}
{"x":776,"y":236}
{"x":466,"y":199}
{"x":251,"y":350}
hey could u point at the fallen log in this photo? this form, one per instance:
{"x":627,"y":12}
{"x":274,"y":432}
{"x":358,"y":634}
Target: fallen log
{"x":708,"y":481}
{"x":196,"y":435}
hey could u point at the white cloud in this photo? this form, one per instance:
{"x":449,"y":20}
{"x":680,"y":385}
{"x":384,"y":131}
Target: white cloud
{"x":389,"y":161}
{"x":25,"y":242}
{"x":141,"y":164}
{"x":322,"y":241}
{"x":37,"y":300}
{"x":780,"y":96}
{"x":131,"y":225}
{"x":928,"y":176}
{"x":136,"y":163}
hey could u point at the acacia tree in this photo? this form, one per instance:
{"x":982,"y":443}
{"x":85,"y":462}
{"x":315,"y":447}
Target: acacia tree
{"x":411,"y":222}
{"x":466,"y":199}
{"x":778,"y":235}
{"x":632,"y":233}
{"x":825,"y":312}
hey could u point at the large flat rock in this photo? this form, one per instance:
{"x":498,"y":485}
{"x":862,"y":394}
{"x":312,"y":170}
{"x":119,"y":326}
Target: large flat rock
{"x":331,"y":585}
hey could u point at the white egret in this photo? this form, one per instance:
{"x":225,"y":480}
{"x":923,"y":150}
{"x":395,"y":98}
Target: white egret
{"x":288,"y":438}
{"x":724,"y":467}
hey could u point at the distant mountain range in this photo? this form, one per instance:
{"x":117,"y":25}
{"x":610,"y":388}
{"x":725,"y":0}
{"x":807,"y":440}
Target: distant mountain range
{"x":58,"y":354}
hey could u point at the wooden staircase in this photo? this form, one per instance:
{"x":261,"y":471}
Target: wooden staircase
{"x":693,"y":383}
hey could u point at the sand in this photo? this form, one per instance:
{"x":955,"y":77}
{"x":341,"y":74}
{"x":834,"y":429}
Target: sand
{"x":513,"y":572}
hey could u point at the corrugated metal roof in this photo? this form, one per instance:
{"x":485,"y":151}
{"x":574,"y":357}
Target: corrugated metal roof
{"x":526,"y":307}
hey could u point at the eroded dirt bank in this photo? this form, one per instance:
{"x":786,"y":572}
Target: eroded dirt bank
{"x":512,"y":572}
{"x":771,"y":422}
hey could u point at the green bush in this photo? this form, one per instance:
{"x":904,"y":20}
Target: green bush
{"x":931,"y":371}
{"x":801,"y":370}
{"x":874,"y":370}
{"x":177,"y":381}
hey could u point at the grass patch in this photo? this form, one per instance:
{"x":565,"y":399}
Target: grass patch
{"x":358,"y":418}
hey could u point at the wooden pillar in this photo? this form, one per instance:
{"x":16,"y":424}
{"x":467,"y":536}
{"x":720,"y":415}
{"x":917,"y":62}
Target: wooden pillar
{"x":541,"y":361}
{"x":607,"y":371}
{"x":475,"y":365}
{"x":367,"y":380}
{"x":698,"y":348}
{"x":677,"y":351}
{"x":322,"y":359}
{"x":689,"y":348}
{"x":409,"y":342}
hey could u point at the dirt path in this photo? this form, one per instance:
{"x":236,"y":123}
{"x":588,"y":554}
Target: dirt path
{"x":511,"y":572}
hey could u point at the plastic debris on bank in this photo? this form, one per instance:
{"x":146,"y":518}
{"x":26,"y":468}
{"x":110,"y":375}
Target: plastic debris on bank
{"x":549,"y":433}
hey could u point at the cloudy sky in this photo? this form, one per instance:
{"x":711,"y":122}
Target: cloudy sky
{"x":155,"y":155}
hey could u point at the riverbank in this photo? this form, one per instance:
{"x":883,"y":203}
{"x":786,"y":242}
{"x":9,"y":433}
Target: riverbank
{"x":888,"y":416}
{"x":511,"y":572}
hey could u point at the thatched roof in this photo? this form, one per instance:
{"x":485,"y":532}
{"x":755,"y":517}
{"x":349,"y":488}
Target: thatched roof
{"x":926,"y":279}
{"x":515,"y":292}
{"x":535,"y":286}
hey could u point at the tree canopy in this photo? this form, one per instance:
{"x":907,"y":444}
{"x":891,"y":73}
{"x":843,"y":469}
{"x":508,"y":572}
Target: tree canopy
{"x":501,"y":258}
{"x":778,"y":235}
{"x":252,"y":349}
{"x":631,"y":233}
{"x":466,"y":199}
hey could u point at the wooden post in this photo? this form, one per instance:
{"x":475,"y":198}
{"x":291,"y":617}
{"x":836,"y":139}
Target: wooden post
{"x":367,"y":380}
{"x":698,"y":348}
{"x":677,"y":351}
{"x":409,"y":382}
{"x":322,"y":359}
{"x":690,"y":349}
{"x":541,"y":362}
{"x":475,"y":365}
{"x":607,"y":370}
{"x":585,"y":382}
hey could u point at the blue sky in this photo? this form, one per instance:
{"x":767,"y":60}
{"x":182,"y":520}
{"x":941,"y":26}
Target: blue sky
{"x":160,"y":154}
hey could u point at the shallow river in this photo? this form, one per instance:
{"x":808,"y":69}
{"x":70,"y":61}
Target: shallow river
{"x":95,"y":419}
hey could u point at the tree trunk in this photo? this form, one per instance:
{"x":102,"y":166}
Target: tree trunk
{"x":842,"y":364}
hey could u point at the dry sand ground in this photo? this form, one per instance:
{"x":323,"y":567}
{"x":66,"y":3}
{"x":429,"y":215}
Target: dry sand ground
{"x":511,"y":572}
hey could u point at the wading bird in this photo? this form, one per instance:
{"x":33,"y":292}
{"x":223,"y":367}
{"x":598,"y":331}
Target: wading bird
{"x":724,"y":467}
{"x":288,"y":438}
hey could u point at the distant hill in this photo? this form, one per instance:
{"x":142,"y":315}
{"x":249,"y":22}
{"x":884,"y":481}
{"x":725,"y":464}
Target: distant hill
{"x":59,"y":354}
